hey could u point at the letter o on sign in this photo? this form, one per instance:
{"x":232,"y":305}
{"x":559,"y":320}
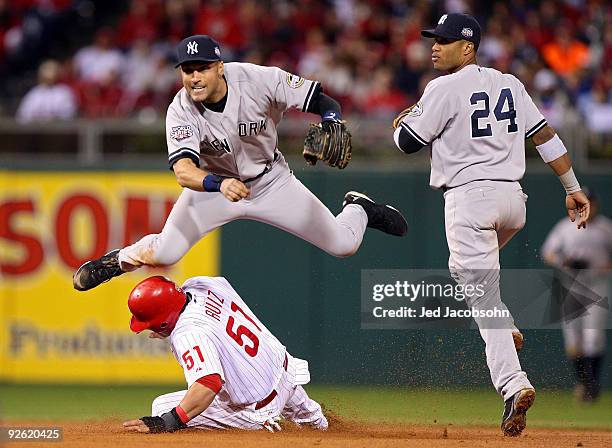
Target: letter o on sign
{"x":63,"y":229}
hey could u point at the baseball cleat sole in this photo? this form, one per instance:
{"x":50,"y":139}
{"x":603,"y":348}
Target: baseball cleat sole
{"x":95,"y":272}
{"x":515,"y":413}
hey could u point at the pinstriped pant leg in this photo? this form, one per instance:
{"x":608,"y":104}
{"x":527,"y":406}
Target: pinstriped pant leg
{"x":219,"y":415}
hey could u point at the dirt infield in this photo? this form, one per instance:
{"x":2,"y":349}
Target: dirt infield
{"x":110,"y":434}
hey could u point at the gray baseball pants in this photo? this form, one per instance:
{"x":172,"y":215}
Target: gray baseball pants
{"x":480,"y":218}
{"x":278,"y":198}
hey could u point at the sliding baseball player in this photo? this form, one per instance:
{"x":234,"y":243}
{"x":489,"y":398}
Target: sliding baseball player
{"x":238,"y":374}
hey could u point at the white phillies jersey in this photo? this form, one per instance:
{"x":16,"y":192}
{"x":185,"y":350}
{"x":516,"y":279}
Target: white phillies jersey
{"x":218,"y":333}
{"x":476,"y":121}
{"x":592,"y":245}
{"x":240,"y":141}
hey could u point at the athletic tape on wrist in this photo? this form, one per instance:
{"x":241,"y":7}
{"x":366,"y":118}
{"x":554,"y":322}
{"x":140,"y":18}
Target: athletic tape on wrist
{"x":552,"y":149}
{"x":569,"y":181}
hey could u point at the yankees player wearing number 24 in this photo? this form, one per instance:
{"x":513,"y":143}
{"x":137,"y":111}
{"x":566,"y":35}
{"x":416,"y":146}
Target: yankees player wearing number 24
{"x":476,"y":120}
{"x":238,"y":374}
{"x":221,"y":135}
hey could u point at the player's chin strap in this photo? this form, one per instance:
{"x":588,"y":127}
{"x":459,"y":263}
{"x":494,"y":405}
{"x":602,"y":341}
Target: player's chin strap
{"x":168,"y":422}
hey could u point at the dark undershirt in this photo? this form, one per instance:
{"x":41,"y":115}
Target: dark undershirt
{"x":219,"y":106}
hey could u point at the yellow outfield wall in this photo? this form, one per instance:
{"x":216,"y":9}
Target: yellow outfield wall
{"x":50,"y":223}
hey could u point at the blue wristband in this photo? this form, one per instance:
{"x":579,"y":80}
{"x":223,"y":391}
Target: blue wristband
{"x":212,"y":182}
{"x":331,"y":115}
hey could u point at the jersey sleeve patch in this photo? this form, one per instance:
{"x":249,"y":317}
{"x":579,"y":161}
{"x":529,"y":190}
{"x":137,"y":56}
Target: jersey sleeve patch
{"x":181,"y":132}
{"x":416,"y":110}
{"x":294,"y":81}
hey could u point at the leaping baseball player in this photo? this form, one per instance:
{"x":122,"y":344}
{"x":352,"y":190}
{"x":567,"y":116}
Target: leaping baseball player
{"x":476,"y":120}
{"x":238,"y":374}
{"x":221,"y":135}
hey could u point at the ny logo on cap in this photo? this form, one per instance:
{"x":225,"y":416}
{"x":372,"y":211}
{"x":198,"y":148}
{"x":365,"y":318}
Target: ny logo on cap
{"x":192,"y":47}
{"x":442,"y":19}
{"x":467,"y":32}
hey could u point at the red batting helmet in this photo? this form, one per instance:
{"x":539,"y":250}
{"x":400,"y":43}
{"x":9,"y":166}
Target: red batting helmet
{"x":156,"y":304}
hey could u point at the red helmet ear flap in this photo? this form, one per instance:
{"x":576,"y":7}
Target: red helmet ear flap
{"x":156,"y":304}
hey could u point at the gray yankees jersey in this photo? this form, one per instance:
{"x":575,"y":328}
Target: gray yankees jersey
{"x":476,"y":121}
{"x":591,"y":248}
{"x":592,"y":245}
{"x":241,"y":141}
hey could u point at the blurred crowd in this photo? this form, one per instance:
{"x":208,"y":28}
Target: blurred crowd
{"x":24,"y":22}
{"x":367,"y":53}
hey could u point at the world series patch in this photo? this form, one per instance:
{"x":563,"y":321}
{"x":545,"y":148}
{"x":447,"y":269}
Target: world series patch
{"x":182,"y":132}
{"x":294,"y":81}
{"x":467,"y":32}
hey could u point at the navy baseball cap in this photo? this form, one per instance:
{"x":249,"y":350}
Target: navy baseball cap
{"x":457,"y":27}
{"x":198,"y":48}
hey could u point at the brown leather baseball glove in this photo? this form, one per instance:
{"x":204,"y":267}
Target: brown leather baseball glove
{"x":329,"y":141}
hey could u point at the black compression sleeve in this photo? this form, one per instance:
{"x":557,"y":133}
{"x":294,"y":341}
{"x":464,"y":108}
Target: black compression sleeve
{"x":407,"y":143}
{"x":322,"y":104}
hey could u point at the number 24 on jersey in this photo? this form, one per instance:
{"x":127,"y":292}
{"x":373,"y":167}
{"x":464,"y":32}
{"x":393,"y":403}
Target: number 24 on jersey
{"x":504,"y":101}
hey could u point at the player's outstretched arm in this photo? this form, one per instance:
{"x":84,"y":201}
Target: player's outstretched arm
{"x":196,"y":400}
{"x":553,"y":152}
{"x":188,"y":175}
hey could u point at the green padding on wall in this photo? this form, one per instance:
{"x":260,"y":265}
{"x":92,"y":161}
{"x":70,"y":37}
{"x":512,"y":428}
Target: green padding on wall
{"x":311,"y":300}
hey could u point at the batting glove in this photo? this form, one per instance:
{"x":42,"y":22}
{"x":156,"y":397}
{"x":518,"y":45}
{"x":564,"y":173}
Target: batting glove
{"x":168,"y":422}
{"x":272,"y":424}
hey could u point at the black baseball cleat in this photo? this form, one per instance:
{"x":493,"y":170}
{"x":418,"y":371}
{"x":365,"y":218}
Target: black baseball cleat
{"x":95,"y":272}
{"x":514,"y":419}
{"x":382,"y":217}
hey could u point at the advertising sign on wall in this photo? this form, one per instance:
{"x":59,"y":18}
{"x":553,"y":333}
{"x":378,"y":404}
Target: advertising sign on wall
{"x":50,"y":223}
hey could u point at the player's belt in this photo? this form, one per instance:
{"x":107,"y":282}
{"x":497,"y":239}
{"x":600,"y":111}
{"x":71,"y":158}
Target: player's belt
{"x":266,"y":401}
{"x":445,"y":188}
{"x":265,"y":171}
